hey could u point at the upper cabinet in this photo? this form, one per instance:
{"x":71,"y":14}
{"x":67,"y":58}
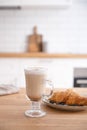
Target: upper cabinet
{"x":45,"y":2}
{"x":36,"y":3}
{"x":10,"y":2}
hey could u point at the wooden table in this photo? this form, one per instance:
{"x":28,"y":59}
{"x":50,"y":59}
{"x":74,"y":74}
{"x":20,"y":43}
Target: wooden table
{"x":12,"y":108}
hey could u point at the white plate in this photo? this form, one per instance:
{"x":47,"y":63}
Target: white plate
{"x":64,"y":107}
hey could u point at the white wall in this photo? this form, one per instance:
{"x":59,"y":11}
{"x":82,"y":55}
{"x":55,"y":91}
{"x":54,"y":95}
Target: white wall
{"x":64,"y":29}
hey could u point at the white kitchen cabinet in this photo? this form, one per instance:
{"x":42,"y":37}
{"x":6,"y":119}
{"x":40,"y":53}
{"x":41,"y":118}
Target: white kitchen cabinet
{"x":10,"y":2}
{"x":35,"y":3}
{"x":45,"y":2}
{"x":60,"y":71}
{"x":14,"y":68}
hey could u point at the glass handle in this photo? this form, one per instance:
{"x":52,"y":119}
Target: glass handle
{"x":51,"y":89}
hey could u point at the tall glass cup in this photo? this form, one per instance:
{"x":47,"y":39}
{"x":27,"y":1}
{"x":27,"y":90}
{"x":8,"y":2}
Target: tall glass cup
{"x":35,"y":84}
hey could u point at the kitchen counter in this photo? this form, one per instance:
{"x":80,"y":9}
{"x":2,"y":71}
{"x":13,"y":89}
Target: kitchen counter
{"x":12,"y":108}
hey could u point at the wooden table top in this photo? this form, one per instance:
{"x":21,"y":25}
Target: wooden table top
{"x":12,"y":117}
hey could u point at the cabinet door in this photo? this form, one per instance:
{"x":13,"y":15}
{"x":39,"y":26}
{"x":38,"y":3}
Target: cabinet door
{"x":45,"y":2}
{"x":10,"y":2}
{"x":35,"y":3}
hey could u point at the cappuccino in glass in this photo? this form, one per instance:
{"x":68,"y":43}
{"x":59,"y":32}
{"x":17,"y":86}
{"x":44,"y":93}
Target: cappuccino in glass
{"x":35,"y":81}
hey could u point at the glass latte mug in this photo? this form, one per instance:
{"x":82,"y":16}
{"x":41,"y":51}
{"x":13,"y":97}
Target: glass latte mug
{"x":35,"y":85}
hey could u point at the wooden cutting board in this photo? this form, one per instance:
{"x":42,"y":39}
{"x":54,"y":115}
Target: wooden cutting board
{"x":34,"y":41}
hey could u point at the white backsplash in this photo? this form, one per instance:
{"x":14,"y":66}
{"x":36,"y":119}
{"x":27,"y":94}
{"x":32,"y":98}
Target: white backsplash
{"x":64,"y":30}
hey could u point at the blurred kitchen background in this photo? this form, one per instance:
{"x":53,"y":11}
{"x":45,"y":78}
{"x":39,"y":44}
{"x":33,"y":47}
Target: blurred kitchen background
{"x":63,"y":26}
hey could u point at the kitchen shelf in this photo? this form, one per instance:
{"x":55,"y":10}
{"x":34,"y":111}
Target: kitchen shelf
{"x":41,"y":55}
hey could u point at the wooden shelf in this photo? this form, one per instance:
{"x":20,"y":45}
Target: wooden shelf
{"x":41,"y":55}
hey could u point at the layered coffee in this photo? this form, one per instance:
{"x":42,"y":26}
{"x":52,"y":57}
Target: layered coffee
{"x":34,"y":84}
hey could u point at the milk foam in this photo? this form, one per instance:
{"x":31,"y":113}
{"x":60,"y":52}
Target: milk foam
{"x":35,"y":70}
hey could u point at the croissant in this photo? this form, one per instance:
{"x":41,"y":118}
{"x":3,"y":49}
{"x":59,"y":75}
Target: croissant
{"x":60,"y":96}
{"x":68,"y":97}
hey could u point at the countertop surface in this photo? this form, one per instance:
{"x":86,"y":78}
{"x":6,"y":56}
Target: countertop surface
{"x":12,"y":117}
